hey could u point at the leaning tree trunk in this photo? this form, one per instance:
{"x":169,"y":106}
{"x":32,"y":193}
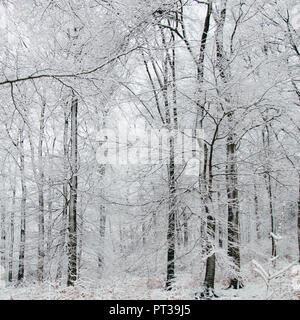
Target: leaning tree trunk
{"x":72,"y":241}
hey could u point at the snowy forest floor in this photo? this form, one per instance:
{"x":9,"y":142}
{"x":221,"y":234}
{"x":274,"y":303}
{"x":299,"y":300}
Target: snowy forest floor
{"x":127,"y":287}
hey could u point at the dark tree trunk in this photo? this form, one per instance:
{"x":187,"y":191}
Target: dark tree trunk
{"x":299,"y":220}
{"x":231,"y":162}
{"x":205,"y":187}
{"x":102,"y":224}
{"x":209,"y":280}
{"x":270,"y":195}
{"x":21,"y":268}
{"x":171,"y":219}
{"x":40,"y":183}
{"x":72,"y":243}
{"x":3,"y":235}
{"x":220,"y":226}
{"x":41,"y":226}
{"x":12,"y":233}
{"x":185,"y":229}
{"x":266,"y":144}
{"x":233,"y":210}
{"x":256,"y":208}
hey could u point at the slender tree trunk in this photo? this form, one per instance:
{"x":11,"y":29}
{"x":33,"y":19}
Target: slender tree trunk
{"x":3,"y":236}
{"x":299,"y":218}
{"x":49,"y":228}
{"x":102,"y":224}
{"x":233,"y":210}
{"x":63,"y":226}
{"x":221,"y":217}
{"x":169,"y":62}
{"x":171,"y":219}
{"x":144,"y":234}
{"x":12,"y":232}
{"x":72,"y":242}
{"x":231,"y":149}
{"x":266,"y":144}
{"x":209,"y":281}
{"x":40,"y":183}
{"x":21,"y":268}
{"x":80,"y":227}
{"x":185,"y":229}
{"x":50,"y":213}
{"x":102,"y":212}
{"x":205,"y":184}
{"x":256,"y":212}
{"x":178,"y":230}
{"x":271,"y":210}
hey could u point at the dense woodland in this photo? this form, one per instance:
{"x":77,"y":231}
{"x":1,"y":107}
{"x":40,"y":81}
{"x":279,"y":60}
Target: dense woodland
{"x":70,"y":69}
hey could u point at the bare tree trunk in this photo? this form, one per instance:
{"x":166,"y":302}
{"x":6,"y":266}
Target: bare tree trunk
{"x":266,"y":144}
{"x":12,"y":232}
{"x":178,"y":229}
{"x":209,"y":281}
{"x":256,"y":212}
{"x":3,"y":235}
{"x":171,"y":219}
{"x":231,"y":163}
{"x":144,"y":234}
{"x":221,"y":218}
{"x":299,"y":218}
{"x":49,"y":224}
{"x":272,"y":220}
{"x":49,"y":229}
{"x":102,"y":211}
{"x":21,"y":268}
{"x":72,"y":242}
{"x":80,"y":226}
{"x":63,"y":226}
{"x":169,"y":62}
{"x":40,"y":183}
{"x":205,"y":184}
{"x":185,"y":229}
{"x":102,"y":224}
{"x":233,"y":210}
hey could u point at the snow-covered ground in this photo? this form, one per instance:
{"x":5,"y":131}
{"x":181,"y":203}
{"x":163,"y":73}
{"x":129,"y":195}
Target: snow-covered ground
{"x":135,"y":288}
